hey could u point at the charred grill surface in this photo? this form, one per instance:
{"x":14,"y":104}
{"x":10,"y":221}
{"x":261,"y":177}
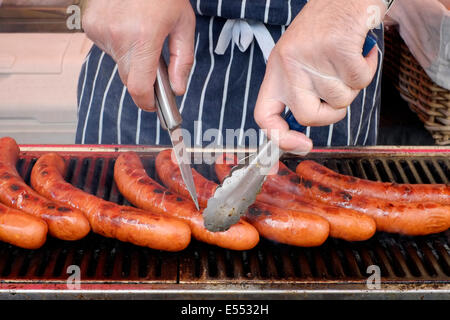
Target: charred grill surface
{"x":418,"y":261}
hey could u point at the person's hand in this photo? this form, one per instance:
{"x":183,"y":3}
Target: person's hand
{"x":133,"y":32}
{"x":317,"y":68}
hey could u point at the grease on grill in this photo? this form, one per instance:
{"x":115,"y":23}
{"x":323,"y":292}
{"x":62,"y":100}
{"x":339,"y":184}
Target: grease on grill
{"x":324,"y":189}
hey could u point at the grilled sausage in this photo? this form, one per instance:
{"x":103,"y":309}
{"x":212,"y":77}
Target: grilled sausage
{"x":142,"y":191}
{"x":106,"y":218}
{"x":346,"y":224}
{"x":413,"y":219}
{"x":63,"y":222}
{"x":439,"y":193}
{"x":390,"y":216}
{"x":21,"y":229}
{"x":284,"y":226}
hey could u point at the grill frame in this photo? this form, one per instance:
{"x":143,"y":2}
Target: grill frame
{"x":183,"y":282}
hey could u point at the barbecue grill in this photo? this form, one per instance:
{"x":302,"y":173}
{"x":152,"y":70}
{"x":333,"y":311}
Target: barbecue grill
{"x":411,"y":267}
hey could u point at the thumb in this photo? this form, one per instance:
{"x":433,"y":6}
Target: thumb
{"x":372,"y":61}
{"x":268,"y":116}
{"x":181,"y":47}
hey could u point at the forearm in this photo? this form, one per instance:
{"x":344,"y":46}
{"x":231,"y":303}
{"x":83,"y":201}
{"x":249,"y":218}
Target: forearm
{"x":403,"y":9}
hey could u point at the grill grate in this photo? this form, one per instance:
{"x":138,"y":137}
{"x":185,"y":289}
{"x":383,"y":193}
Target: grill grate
{"x":401,"y":259}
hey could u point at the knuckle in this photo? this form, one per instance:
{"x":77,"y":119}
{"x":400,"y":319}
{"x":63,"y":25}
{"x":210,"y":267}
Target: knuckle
{"x":365,"y":81}
{"x":116,"y":31}
{"x":259,"y":118}
{"x":338,"y":97}
{"x":146,"y":31}
{"x":343,"y":114}
{"x":284,"y":53}
{"x":303,"y":116}
{"x":333,"y":43}
{"x":123,"y":77}
{"x":354,"y":77}
{"x":272,"y":61}
{"x":189,"y":61}
{"x":190,"y":15}
{"x":358,"y":77}
{"x":89,"y":24}
{"x":136,"y":90}
{"x":306,"y":121}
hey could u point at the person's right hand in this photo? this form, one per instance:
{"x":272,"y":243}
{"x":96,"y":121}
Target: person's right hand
{"x":133,"y":32}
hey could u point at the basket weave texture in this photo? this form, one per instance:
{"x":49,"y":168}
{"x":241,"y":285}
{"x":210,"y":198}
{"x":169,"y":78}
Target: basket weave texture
{"x":430,"y":101}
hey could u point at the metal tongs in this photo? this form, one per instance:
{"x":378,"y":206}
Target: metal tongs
{"x":238,"y":191}
{"x":171,"y":120}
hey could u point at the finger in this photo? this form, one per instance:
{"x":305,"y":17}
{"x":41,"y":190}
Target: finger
{"x":358,"y":72}
{"x":278,"y":130}
{"x":309,"y":110}
{"x":141,"y":78}
{"x":181,"y":47}
{"x":335,"y":93}
{"x":268,"y":117}
{"x":123,"y":66}
{"x":372,"y":62}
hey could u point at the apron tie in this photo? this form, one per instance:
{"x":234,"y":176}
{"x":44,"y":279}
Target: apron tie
{"x":242,"y":32}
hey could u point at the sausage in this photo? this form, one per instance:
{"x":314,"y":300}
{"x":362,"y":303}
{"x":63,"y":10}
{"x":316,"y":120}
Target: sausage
{"x":439,"y":193}
{"x":390,"y":216}
{"x":106,"y":218}
{"x":63,"y":222}
{"x":142,"y":191}
{"x":21,"y":229}
{"x":284,"y":226}
{"x":290,"y":227}
{"x":346,"y":224}
{"x":413,"y":219}
{"x":408,"y":218}
{"x":170,"y":175}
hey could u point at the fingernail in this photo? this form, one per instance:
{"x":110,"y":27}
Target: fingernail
{"x":184,"y":80}
{"x":300,"y":153}
{"x":186,"y":74}
{"x":149,"y":108}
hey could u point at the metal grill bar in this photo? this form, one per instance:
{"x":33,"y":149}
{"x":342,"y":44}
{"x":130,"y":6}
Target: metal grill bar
{"x":418,"y":260}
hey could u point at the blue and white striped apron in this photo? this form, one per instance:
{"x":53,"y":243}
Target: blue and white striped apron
{"x":222,"y":88}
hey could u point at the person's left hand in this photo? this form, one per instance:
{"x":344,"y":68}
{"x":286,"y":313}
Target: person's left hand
{"x":317,"y":69}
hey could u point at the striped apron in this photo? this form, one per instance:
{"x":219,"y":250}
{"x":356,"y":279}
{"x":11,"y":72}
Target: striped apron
{"x":222,"y":87}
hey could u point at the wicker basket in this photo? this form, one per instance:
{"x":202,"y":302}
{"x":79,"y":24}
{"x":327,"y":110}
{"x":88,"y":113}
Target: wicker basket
{"x":430,"y":101}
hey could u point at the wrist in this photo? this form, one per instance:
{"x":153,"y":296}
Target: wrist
{"x":370,"y":12}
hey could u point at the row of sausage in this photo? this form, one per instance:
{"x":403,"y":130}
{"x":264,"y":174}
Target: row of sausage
{"x":301,"y":208}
